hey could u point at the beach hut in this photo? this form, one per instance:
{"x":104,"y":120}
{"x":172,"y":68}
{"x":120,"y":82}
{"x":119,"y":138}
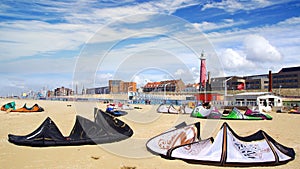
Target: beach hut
{"x":263,"y":101}
{"x":269,"y":102}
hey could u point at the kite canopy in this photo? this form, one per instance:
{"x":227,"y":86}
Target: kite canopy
{"x":127,"y":107}
{"x":186,"y":109}
{"x":264,"y":116}
{"x":11,"y":107}
{"x":202,"y":112}
{"x":162,"y":108}
{"x":294,"y":110}
{"x":104,"y":129}
{"x":227,"y":149}
{"x":173,"y":138}
{"x":235,"y":114}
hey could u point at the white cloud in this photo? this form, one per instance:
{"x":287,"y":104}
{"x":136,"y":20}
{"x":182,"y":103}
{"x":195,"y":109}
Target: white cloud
{"x":32,"y":66}
{"x":101,"y":79}
{"x":179,"y":72}
{"x":290,"y":21}
{"x":118,"y":32}
{"x":16,"y":83}
{"x":229,"y":5}
{"x":81,"y":22}
{"x":251,"y":55}
{"x":258,"y":49}
{"x":233,"y":60}
{"x":108,"y":13}
{"x":274,"y":45}
{"x":185,"y":74}
{"x":105,"y":75}
{"x":210,"y":26}
{"x":39,"y":38}
{"x":140,"y":80}
{"x":234,"y":5}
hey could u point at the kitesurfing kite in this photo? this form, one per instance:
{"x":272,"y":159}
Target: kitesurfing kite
{"x":11,"y":107}
{"x":104,"y":129}
{"x":227,"y":149}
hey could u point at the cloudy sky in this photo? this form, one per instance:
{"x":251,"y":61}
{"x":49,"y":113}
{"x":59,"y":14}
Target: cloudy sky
{"x":49,"y":44}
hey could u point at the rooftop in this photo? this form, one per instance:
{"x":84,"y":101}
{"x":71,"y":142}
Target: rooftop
{"x":290,"y":69}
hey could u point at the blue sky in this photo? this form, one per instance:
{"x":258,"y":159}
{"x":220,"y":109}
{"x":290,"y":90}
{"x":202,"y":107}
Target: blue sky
{"x":49,"y":44}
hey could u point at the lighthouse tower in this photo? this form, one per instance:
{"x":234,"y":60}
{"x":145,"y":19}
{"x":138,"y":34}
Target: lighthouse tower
{"x":202,"y":72}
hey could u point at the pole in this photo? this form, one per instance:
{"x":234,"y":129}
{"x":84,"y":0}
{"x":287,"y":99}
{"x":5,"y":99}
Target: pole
{"x":225,"y":83}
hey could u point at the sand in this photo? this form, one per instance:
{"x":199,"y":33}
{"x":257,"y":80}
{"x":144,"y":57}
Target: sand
{"x":132,"y":152}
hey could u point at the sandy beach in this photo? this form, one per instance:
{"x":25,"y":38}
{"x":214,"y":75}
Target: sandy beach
{"x":132,"y":152}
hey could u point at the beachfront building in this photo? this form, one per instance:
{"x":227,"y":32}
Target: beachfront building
{"x":236,"y":83}
{"x":98,"y":90}
{"x":151,"y":87}
{"x":257,"y":82}
{"x":119,"y":86}
{"x":240,"y":83}
{"x":285,"y":78}
{"x":165,"y":86}
{"x":62,"y":91}
{"x":218,"y":83}
{"x":264,"y":101}
{"x":231,"y":82}
{"x":191,"y":88}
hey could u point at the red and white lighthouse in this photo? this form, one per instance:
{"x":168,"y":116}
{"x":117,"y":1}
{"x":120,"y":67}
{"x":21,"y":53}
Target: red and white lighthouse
{"x":202,"y":72}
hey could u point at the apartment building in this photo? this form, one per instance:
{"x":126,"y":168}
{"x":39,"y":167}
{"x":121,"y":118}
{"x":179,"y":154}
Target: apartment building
{"x":167,"y":85}
{"x":119,"y":86}
{"x":285,"y":78}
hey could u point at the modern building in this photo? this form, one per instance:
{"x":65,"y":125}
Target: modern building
{"x":98,"y":90}
{"x":285,"y":78}
{"x":236,"y":83}
{"x":119,"y":86}
{"x":257,"y":82}
{"x":231,"y":82}
{"x":167,"y":85}
{"x":218,"y":83}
